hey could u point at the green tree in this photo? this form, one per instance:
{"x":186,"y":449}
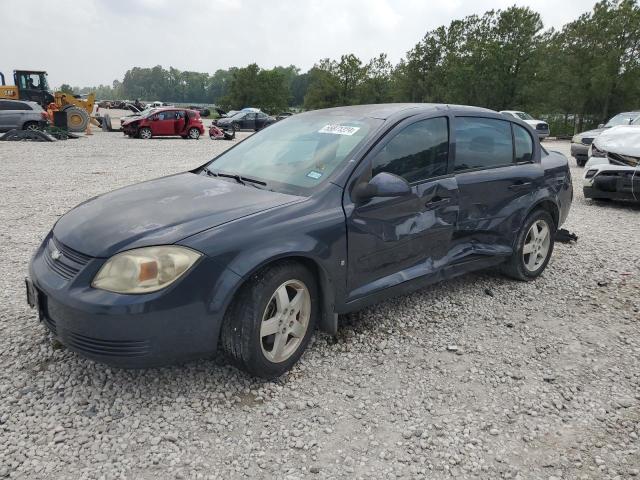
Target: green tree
{"x":66,"y":88}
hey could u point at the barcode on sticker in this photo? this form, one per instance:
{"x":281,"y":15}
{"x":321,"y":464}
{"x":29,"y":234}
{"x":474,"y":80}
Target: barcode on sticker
{"x":339,"y":129}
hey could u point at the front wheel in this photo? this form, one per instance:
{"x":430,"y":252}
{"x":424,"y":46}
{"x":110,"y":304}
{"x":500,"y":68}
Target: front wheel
{"x":581,"y":162}
{"x":194,"y":134}
{"x":534,"y":247}
{"x":271,"y":320}
{"x":145,"y":133}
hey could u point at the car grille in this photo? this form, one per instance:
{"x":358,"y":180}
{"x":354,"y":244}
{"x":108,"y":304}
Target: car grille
{"x":98,"y":346}
{"x":586,"y":141}
{"x":68,"y":262}
{"x":627,"y":160}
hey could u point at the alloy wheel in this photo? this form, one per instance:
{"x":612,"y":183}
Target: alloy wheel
{"x":285,"y":321}
{"x":536,"y":245}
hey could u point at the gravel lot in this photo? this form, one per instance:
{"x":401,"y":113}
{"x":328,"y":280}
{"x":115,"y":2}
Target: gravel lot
{"x":480,"y":377}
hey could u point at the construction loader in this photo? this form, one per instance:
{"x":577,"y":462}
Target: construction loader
{"x":32,"y":85}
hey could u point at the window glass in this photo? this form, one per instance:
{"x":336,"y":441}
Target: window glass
{"x":299,"y":154}
{"x":5,"y":105}
{"x":482,"y":143}
{"x":523,"y":144}
{"x":418,"y":152}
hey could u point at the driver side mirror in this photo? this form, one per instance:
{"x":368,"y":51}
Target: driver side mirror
{"x":601,"y":125}
{"x":383,"y":184}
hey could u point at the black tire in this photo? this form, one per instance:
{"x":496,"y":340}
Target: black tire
{"x":77,"y":119}
{"x":581,"y":163}
{"x":240,"y":336}
{"x":515,"y":266}
{"x":229,"y":134}
{"x":31,"y":126}
{"x":145,"y":133}
{"x":235,"y":126}
{"x":194,"y":133}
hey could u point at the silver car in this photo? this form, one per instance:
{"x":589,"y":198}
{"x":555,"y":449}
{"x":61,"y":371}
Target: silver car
{"x":581,"y":142}
{"x":22,"y":115}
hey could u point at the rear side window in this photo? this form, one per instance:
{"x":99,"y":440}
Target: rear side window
{"x":418,"y":152}
{"x":523,"y":144}
{"x":482,"y":143}
{"x":14,"y":106}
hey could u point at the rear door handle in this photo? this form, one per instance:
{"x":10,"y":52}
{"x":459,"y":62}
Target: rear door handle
{"x":518,"y":186}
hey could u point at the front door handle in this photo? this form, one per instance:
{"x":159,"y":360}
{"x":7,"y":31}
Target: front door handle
{"x":518,"y":186}
{"x":436,"y":202}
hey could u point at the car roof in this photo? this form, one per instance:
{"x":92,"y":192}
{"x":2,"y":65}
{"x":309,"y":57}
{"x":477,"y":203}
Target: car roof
{"x":382,"y":111}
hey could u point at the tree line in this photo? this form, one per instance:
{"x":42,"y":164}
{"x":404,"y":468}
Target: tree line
{"x":504,"y":59}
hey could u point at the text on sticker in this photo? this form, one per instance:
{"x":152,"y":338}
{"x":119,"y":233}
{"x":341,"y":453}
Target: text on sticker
{"x":339,"y":129}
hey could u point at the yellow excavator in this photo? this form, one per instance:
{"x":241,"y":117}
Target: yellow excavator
{"x":32,"y":85}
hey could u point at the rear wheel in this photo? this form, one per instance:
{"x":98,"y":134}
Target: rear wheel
{"x":145,"y":133}
{"x":534,"y":247}
{"x":235,"y":126}
{"x":194,"y":134}
{"x":31,"y":126}
{"x":271,"y":320}
{"x":581,"y":162}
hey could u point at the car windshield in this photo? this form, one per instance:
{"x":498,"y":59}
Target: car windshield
{"x":297,"y":154}
{"x":621,"y":119}
{"x":636,"y":121}
{"x":524,"y":116}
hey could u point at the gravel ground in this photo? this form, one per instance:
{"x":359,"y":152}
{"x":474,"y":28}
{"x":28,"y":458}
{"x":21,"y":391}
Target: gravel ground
{"x":480,"y":377}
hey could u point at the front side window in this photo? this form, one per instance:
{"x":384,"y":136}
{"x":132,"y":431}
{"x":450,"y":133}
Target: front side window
{"x":482,"y":143}
{"x":297,"y":154}
{"x":524,"y":116}
{"x":523,"y":144}
{"x":418,"y":152}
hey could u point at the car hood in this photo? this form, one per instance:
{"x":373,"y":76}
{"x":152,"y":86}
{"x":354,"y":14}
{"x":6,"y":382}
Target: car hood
{"x":591,"y":133}
{"x":160,"y":212}
{"x":623,"y":140}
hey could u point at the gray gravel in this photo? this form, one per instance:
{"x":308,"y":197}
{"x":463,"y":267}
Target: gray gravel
{"x":480,"y":377}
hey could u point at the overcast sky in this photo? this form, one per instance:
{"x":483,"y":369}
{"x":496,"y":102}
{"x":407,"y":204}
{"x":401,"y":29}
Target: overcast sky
{"x":88,"y":42}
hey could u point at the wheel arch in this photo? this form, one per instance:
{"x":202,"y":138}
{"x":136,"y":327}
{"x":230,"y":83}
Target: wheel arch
{"x":548,"y":205}
{"x":328,"y":321}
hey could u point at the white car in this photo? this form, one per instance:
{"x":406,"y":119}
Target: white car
{"x":613,"y":168}
{"x":541,"y":127}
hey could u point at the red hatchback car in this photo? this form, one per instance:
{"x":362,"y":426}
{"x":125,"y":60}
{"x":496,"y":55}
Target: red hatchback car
{"x":165,"y":122}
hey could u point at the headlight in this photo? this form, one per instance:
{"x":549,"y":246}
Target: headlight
{"x":145,"y":270}
{"x":596,"y":152}
{"x":576,"y":139}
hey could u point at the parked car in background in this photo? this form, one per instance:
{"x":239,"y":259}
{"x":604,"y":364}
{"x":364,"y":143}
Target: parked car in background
{"x":104,"y":104}
{"x":163,"y":122}
{"x":22,"y":115}
{"x":318,"y":215}
{"x":283,"y":115}
{"x":541,"y":127}
{"x":581,"y":142}
{"x":613,"y":169}
{"x":246,"y":121}
{"x":203,"y":111}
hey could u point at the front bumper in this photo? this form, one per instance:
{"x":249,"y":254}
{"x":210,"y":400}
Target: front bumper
{"x":130,"y":331}
{"x":613,"y":185}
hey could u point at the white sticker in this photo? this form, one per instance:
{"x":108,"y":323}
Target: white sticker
{"x":339,"y":129}
{"x":313,"y":174}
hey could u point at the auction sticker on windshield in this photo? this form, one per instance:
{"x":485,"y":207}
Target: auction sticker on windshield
{"x":339,"y":129}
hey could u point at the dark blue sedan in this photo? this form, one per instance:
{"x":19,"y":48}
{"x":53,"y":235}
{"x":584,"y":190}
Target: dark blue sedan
{"x":320,"y":214}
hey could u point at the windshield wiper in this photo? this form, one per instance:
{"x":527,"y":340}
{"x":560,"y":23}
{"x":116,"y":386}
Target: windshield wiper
{"x":240,"y":179}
